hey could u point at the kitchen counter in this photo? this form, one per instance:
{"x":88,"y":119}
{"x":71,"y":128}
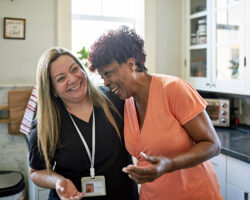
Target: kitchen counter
{"x":235,"y":143}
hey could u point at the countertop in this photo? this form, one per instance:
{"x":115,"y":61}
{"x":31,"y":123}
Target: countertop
{"x":235,"y":143}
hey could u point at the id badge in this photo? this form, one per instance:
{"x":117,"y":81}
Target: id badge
{"x":93,"y":186}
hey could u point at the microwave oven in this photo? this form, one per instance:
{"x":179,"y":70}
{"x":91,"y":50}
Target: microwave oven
{"x":219,"y":111}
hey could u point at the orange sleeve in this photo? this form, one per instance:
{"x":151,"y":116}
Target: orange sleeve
{"x":184,"y":101}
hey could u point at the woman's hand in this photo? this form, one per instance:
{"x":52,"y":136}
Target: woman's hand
{"x":159,"y":166}
{"x":66,"y":190}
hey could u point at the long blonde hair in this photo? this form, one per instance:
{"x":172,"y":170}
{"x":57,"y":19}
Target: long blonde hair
{"x":48,"y":110}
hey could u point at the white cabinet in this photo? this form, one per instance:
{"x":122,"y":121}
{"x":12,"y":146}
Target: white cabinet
{"x":238,"y":175}
{"x":43,"y":193}
{"x":233,"y":176}
{"x":198,"y":51}
{"x":247,"y":46}
{"x":219,"y":164}
{"x":235,"y":193}
{"x":37,"y":193}
{"x":215,"y":45}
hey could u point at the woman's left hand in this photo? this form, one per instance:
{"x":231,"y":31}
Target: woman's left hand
{"x":159,"y":166}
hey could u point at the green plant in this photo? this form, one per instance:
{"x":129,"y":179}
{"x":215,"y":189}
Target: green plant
{"x":84,"y":54}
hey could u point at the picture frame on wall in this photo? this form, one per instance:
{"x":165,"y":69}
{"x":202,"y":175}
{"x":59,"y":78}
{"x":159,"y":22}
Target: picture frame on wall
{"x":14,"y":28}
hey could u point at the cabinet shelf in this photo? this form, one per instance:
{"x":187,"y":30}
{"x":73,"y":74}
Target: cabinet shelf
{"x":198,"y":15}
{"x":198,"y":46}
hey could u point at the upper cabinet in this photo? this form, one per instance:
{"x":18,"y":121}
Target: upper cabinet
{"x":216,"y":45}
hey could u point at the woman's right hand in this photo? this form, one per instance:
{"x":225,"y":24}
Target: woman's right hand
{"x":66,"y":190}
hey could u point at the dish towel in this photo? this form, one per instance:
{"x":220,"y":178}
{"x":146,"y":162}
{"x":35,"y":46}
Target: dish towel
{"x":29,"y":113}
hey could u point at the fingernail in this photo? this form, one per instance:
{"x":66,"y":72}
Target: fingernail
{"x":142,"y":153}
{"x":124,"y":170}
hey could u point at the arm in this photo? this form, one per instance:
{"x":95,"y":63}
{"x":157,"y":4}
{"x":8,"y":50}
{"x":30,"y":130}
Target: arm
{"x":207,"y":145}
{"x":201,"y":130}
{"x":49,"y":179}
{"x":45,"y":178}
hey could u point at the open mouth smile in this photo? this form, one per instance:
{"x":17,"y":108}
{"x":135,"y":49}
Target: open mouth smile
{"x":114,"y":89}
{"x":74,"y":88}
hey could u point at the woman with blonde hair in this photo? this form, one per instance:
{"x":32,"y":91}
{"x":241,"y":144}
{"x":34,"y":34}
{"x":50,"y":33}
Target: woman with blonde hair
{"x":76,"y":144}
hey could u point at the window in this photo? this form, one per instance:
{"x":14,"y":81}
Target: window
{"x":91,"y":18}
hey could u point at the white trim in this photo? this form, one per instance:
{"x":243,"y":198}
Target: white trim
{"x":198,"y":15}
{"x":64,"y":23}
{"x":150,"y":34}
{"x":102,"y":18}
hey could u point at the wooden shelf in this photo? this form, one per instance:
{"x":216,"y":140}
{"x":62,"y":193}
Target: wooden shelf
{"x":7,"y":120}
{"x":4,"y":121}
{"x":4,"y":108}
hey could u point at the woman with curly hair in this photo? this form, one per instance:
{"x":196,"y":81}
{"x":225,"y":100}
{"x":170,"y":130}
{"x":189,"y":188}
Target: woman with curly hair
{"x":166,"y":126}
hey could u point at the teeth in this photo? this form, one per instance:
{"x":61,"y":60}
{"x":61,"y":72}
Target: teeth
{"x":75,"y":87}
{"x":114,"y":89}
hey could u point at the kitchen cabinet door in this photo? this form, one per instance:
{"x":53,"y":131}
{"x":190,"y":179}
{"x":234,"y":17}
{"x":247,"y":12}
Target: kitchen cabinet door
{"x":247,"y":47}
{"x":238,"y":173}
{"x":235,"y":193}
{"x":228,"y":40}
{"x":43,"y":194}
{"x":219,"y":164}
{"x":198,"y":60}
{"x":215,"y":45}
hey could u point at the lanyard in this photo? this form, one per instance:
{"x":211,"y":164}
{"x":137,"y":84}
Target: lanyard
{"x":92,"y":159}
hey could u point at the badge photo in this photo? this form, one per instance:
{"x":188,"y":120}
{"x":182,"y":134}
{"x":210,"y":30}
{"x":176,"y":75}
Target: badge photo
{"x":93,"y":186}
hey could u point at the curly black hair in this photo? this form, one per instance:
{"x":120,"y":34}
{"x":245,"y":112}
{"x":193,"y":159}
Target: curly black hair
{"x":118,"y":45}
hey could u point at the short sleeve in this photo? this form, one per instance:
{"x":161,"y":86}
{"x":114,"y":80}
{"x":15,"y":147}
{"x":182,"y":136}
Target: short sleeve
{"x":185,"y":102}
{"x":36,"y":160}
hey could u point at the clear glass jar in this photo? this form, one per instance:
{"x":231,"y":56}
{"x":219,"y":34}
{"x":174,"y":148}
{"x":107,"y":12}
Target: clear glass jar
{"x":202,"y":38}
{"x":193,"y":39}
{"x":202,"y":26}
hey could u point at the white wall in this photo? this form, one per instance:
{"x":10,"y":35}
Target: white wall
{"x":19,"y":57}
{"x":163,"y":33}
{"x":150,"y":34}
{"x":168,"y":36}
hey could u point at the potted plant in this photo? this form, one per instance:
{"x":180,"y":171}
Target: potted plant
{"x":84,"y":54}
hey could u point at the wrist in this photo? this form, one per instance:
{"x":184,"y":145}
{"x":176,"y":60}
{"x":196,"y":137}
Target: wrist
{"x":58,"y":179}
{"x":171,"y":165}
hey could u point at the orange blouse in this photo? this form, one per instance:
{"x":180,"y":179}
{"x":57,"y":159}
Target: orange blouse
{"x":171,"y":103}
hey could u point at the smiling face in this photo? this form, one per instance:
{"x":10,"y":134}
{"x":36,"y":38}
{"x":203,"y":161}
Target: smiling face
{"x":68,"y":79}
{"x":118,"y":77}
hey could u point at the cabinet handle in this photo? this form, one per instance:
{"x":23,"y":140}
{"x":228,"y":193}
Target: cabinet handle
{"x":213,"y":85}
{"x":245,"y":195}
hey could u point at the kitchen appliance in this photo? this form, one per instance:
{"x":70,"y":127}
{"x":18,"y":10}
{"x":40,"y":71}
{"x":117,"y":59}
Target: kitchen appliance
{"x":219,"y":111}
{"x":11,"y":185}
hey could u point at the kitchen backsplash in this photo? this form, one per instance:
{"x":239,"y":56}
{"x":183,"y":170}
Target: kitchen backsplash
{"x":242,"y":111}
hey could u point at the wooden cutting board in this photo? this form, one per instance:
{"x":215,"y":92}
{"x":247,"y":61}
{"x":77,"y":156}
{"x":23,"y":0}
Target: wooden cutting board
{"x":17,"y":102}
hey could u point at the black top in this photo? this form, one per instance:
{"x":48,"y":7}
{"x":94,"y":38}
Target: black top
{"x":71,"y":159}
